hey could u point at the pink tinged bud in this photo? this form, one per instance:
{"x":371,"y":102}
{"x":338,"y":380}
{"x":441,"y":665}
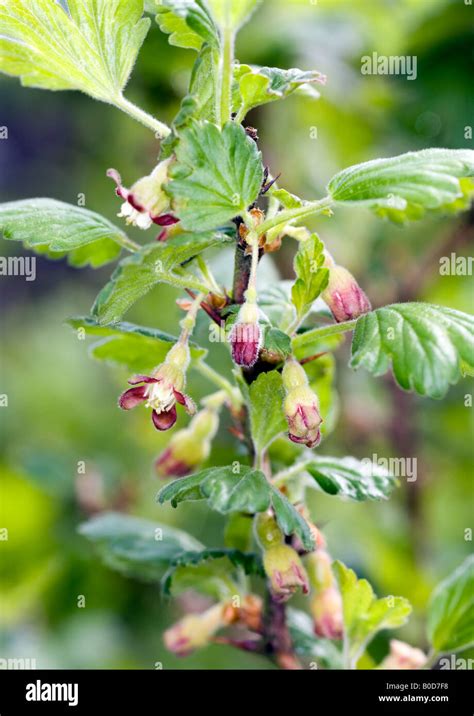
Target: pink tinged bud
{"x":246,"y":336}
{"x":403,"y":656}
{"x":326,"y":608}
{"x":344,"y":296}
{"x":194,"y":631}
{"x":188,"y":448}
{"x":301,"y":408}
{"x":318,"y":566}
{"x":285,"y":570}
{"x":245,"y":340}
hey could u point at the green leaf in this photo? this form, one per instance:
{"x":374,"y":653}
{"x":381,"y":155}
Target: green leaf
{"x":451,"y":610}
{"x":259,"y":85}
{"x":287,"y":200}
{"x":351,"y":479}
{"x":187,"y":22}
{"x":210,"y":571}
{"x":407,"y":186}
{"x":218,"y":175}
{"x":425,"y":343}
{"x":276,"y":345}
{"x":364,"y":614}
{"x":266,"y":409}
{"x":230,"y":14}
{"x":154,"y":263}
{"x":306,"y":644}
{"x":47,"y":225}
{"x":91,"y":48}
{"x":138,"y":348}
{"x":312,"y":277}
{"x":247,"y":490}
{"x":137,"y":547}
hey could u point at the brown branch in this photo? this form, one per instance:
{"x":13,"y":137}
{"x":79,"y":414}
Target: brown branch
{"x":279,"y":644}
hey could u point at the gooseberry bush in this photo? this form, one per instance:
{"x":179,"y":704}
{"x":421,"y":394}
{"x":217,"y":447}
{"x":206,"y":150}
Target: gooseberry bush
{"x":210,"y":190}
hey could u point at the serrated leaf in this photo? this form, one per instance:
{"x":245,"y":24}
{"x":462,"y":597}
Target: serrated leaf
{"x":91,"y":48}
{"x":450,"y":614}
{"x":137,"y":547}
{"x":210,"y":572}
{"x":407,"y":186}
{"x":47,"y":225}
{"x":351,"y":478}
{"x":248,"y":491}
{"x":138,"y":348}
{"x":218,"y":175}
{"x":312,"y":276}
{"x":259,"y":85}
{"x":364,"y":614}
{"x":425,"y":343}
{"x":154,"y":263}
{"x":187,"y":22}
{"x":267,"y":419}
{"x":306,"y":644}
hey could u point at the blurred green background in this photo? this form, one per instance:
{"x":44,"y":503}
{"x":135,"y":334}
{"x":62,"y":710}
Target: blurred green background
{"x":62,"y":406}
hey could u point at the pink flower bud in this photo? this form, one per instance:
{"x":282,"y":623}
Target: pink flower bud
{"x":246,"y":336}
{"x":190,"y":447}
{"x":301,"y":408}
{"x":344,"y":296}
{"x":285,"y":571}
{"x":194,"y":631}
{"x":326,"y":608}
{"x":403,"y":656}
{"x":318,"y":566}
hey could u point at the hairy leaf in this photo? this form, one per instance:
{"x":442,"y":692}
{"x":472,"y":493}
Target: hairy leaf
{"x":137,"y":547}
{"x":138,"y":348}
{"x":187,"y":22}
{"x":47,"y":225}
{"x":209,"y":571}
{"x":425,"y":343}
{"x":312,"y":277}
{"x":407,"y":186}
{"x":246,"y":490}
{"x":259,"y":85}
{"x":364,"y":614}
{"x":267,"y":419}
{"x":451,"y":610}
{"x":91,"y":48}
{"x":154,"y":263}
{"x":351,"y":478}
{"x":218,"y":175}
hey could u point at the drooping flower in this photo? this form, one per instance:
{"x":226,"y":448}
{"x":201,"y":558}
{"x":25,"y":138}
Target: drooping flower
{"x":190,"y":447}
{"x":343,"y":295}
{"x":246,"y":336}
{"x":146,"y":203}
{"x":194,"y":630}
{"x":162,"y":390}
{"x":301,"y":406}
{"x":403,"y":656}
{"x":285,"y":570}
{"x":326,"y":608}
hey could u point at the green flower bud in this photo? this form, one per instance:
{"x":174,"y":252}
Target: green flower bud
{"x":285,"y":570}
